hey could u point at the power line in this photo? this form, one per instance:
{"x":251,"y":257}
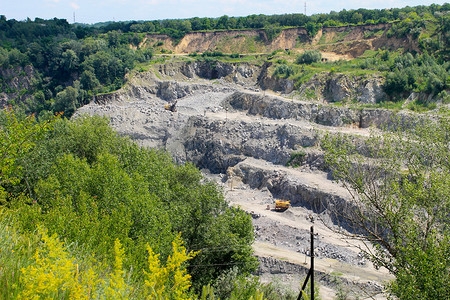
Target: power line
{"x":214,"y":265}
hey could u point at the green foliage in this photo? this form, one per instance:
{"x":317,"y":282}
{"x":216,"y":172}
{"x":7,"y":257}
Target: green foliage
{"x":63,"y":58}
{"x":172,"y":280}
{"x":312,"y":28}
{"x":421,"y":106}
{"x":272,"y":31}
{"x":400,"y":181}
{"x":410,"y":25}
{"x":82,"y":181}
{"x":98,"y":56}
{"x":54,"y":274}
{"x":246,"y":288}
{"x":233,"y":286}
{"x":15,"y":254}
{"x":428,"y":274}
{"x":18,"y":135}
{"x":296,"y":159}
{"x":407,"y":73}
{"x":309,"y":57}
{"x":276,"y":290}
{"x":66,"y":101}
{"x":283,"y":71}
{"x":419,"y":74}
{"x":39,"y":265}
{"x":212,"y":54}
{"x":444,"y":96}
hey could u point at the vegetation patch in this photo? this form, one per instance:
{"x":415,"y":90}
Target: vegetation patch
{"x":309,"y":57}
{"x":297,"y":159}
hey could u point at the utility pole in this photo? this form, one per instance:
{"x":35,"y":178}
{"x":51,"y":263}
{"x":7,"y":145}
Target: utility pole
{"x":312,"y":263}
{"x":74,"y":17}
{"x":305,"y":8}
{"x":310,"y":275}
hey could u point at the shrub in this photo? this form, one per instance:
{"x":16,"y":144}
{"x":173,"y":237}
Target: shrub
{"x":297,"y":159}
{"x":309,"y":57}
{"x":283,"y":70}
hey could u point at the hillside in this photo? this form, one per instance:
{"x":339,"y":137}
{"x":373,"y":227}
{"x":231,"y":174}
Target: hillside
{"x":243,"y":139}
{"x":344,"y":42}
{"x":266,"y":111}
{"x":257,"y":133}
{"x":62,"y":67}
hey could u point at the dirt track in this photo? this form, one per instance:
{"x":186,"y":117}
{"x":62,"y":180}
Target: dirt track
{"x":285,"y":236}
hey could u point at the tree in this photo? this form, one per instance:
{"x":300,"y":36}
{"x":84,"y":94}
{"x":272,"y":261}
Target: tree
{"x":91,"y":186}
{"x":89,"y":81}
{"x":445,"y":35}
{"x":312,"y":28}
{"x":17,"y":58}
{"x":18,"y":136}
{"x":357,"y":18}
{"x":272,"y":31}
{"x":399,"y":183}
{"x":69,"y":61}
{"x":66,"y":101}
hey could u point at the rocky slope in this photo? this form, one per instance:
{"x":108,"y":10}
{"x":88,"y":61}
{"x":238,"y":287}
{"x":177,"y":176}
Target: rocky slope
{"x":243,"y":136}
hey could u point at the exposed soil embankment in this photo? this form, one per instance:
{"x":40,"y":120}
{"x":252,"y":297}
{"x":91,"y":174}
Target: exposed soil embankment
{"x":344,"y":42}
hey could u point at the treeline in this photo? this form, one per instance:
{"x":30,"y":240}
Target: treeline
{"x":54,"y":66}
{"x":178,"y":27}
{"x":86,"y":212}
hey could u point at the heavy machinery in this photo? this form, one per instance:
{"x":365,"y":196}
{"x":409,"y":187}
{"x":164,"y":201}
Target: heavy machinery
{"x":171,"y":106}
{"x":282,"y":205}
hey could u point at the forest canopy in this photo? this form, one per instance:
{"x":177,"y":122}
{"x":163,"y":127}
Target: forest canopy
{"x":79,"y":182}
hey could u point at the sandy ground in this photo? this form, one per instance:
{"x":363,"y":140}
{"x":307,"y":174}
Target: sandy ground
{"x":285,"y":236}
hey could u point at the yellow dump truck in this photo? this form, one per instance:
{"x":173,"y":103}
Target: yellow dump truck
{"x":282,"y":205}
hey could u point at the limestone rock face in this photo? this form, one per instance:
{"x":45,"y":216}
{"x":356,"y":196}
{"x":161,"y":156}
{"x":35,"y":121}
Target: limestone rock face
{"x":262,"y":143}
{"x":331,"y":87}
{"x":225,"y":120}
{"x":371,"y":90}
{"x":14,"y":81}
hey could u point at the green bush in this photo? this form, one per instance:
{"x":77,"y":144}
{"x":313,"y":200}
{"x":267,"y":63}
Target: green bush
{"x":309,"y":57}
{"x":296,"y":159}
{"x":212,"y":54}
{"x":284,"y":71}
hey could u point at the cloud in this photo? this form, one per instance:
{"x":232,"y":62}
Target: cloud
{"x":74,"y":5}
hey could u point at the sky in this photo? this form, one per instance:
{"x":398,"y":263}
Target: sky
{"x":93,"y":11}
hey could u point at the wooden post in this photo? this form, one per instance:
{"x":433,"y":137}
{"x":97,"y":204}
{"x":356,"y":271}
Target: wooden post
{"x":311,"y":270}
